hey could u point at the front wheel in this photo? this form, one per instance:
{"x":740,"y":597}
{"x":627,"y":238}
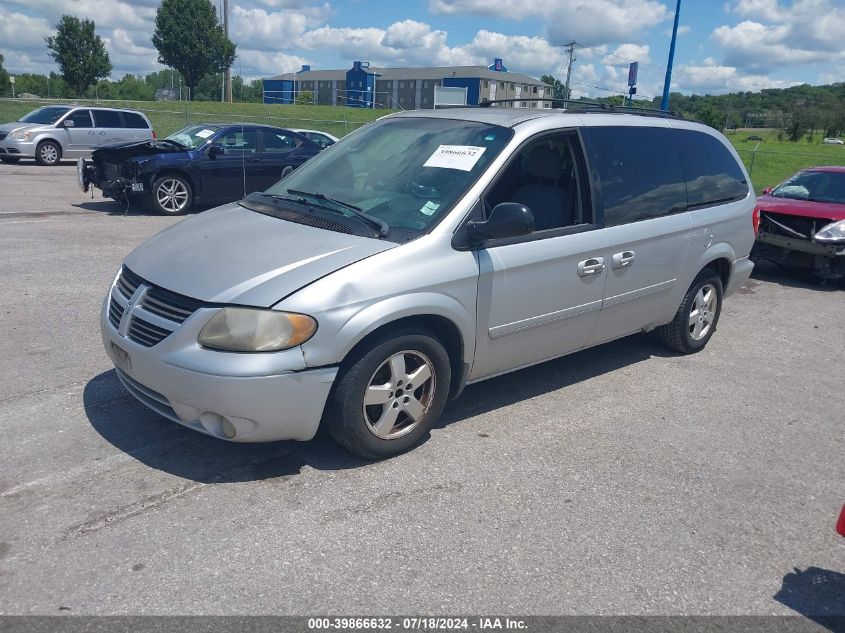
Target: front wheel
{"x":696,"y":318}
{"x":388,"y":396}
{"x":171,"y":195}
{"x":48,"y":153}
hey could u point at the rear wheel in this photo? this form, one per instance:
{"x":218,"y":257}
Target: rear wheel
{"x":696,"y":318}
{"x":171,"y":195}
{"x":48,"y":153}
{"x":388,"y":396}
{"x":9,"y":159}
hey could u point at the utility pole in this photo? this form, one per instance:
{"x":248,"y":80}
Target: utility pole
{"x":570,"y":48}
{"x":664,"y":104}
{"x":227,"y":80}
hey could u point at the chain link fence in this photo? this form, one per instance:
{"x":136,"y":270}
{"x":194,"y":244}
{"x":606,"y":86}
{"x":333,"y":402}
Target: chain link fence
{"x":768,"y":168}
{"x":169,"y":116}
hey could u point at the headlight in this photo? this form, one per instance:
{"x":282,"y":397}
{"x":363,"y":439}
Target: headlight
{"x":256,"y":330}
{"x":833,"y":232}
{"x":20,"y":135}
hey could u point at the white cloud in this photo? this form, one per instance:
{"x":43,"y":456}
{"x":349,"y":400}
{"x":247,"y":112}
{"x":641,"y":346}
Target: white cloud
{"x":683,"y":29}
{"x":710,"y":77}
{"x":777,"y":35}
{"x":588,"y":22}
{"x":257,"y":28}
{"x":627,"y":53}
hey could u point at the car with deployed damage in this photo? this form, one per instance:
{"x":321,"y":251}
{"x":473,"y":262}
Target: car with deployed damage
{"x":209,"y":163}
{"x":802,"y":222}
{"x":53,"y":132}
{"x":424,"y":252}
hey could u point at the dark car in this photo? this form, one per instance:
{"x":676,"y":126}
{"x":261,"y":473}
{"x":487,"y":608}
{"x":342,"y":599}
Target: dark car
{"x":209,"y":163}
{"x":755,"y":138}
{"x":802,"y":222}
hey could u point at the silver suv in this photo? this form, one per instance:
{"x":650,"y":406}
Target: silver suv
{"x":54,"y":132}
{"x":424,"y":252}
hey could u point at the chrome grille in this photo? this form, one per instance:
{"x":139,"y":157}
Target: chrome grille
{"x":157,"y":313}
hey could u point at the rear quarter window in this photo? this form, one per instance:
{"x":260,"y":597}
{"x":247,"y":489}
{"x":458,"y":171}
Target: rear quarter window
{"x":107,"y":118}
{"x":639,"y":172}
{"x":135,"y":121}
{"x":713,"y":175}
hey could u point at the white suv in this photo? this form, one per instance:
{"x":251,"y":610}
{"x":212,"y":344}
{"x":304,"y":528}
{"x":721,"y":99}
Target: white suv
{"x":54,"y":132}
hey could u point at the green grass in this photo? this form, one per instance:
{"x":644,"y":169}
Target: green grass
{"x":169,"y":116}
{"x":775,"y":161}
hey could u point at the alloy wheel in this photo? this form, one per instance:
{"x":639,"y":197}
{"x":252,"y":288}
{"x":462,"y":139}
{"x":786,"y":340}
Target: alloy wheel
{"x":703,"y":312}
{"x":399,"y":394}
{"x":172,"y":195}
{"x":49,"y":154}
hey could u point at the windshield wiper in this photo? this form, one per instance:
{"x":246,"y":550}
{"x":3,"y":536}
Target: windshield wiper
{"x":382,"y":227}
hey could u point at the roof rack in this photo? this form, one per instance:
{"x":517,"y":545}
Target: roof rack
{"x":589,"y":106}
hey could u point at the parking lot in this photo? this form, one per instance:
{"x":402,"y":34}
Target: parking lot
{"x":620,"y":480}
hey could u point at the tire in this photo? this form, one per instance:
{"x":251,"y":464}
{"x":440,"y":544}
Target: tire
{"x":11,"y":160}
{"x":171,"y":195}
{"x":397,"y":419}
{"x":698,"y":315}
{"x":48,"y":153}
{"x":287,"y":171}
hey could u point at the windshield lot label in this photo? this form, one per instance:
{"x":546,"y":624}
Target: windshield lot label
{"x":204,"y":133}
{"x":429,"y":208}
{"x":461,"y":157}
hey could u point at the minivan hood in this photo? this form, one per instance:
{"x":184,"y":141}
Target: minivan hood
{"x":17,"y":125}
{"x":234,"y":255}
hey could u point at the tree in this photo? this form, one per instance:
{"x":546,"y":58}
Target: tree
{"x":306,"y":97}
{"x":79,"y":53}
{"x":558,"y":90}
{"x":190,"y":39}
{"x":709,"y":115}
{"x":5,"y":84}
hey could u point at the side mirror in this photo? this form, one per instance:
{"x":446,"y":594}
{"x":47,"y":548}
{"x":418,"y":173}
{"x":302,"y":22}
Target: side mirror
{"x":68,"y":123}
{"x":768,"y":190}
{"x":507,"y":219}
{"x":215,"y":150}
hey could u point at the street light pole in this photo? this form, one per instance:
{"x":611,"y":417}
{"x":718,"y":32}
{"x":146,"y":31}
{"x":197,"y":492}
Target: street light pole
{"x":664,"y":105}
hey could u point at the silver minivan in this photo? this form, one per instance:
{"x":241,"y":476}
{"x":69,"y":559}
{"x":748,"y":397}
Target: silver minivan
{"x":53,"y":132}
{"x":424,"y":252}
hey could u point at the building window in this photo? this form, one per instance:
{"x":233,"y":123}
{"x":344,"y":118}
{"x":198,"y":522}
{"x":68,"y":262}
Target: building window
{"x":425,"y":84}
{"x":535,"y":90}
{"x":486,"y":84}
{"x":512,"y":88}
{"x":401,"y":84}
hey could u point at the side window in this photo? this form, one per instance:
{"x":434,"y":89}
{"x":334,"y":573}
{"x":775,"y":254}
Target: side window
{"x":280,"y":142}
{"x":80,"y":118}
{"x":135,"y":121}
{"x":240,"y":141}
{"x":107,"y":118}
{"x":639,"y":171}
{"x":547,"y":176}
{"x":712,"y":173}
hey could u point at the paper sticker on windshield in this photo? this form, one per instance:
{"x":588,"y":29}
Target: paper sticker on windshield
{"x":461,"y":157}
{"x":429,"y":208}
{"x":204,"y":133}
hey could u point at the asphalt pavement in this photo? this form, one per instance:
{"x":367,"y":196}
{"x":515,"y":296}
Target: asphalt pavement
{"x":621,"y":480}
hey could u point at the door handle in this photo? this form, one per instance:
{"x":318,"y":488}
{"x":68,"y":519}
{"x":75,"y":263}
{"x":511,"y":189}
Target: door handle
{"x":590,"y":266}
{"x":92,"y":132}
{"x":102,"y":132}
{"x":623,"y":259}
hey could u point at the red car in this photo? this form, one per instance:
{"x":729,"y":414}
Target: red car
{"x":802,"y":222}
{"x":840,"y":524}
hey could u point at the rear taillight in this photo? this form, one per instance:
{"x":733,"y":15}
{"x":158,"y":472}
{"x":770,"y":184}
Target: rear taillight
{"x":755,"y":220}
{"x":155,"y":136}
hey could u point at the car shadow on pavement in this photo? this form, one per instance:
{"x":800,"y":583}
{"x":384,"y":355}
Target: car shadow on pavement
{"x":136,"y":208}
{"x":816,"y":593}
{"x":793,"y":278}
{"x":169,"y":447}
{"x":551,"y":375}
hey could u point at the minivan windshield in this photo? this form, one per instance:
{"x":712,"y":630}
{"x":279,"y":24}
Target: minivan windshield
{"x":45,"y":116}
{"x":194,"y":136}
{"x":405,"y":172}
{"x":816,"y":186}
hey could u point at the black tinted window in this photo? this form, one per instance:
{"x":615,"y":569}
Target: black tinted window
{"x":639,"y":171}
{"x":107,"y":118}
{"x":135,"y":121}
{"x":280,"y":142}
{"x":80,"y":118}
{"x":712,"y":173}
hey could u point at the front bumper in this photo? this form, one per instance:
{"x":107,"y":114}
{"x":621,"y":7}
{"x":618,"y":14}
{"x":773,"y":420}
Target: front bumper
{"x":825,"y":260}
{"x":240,"y":398}
{"x":17,"y":149}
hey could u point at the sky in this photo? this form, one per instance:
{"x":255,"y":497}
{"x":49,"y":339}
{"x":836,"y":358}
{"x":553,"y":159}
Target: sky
{"x":722,"y":46}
